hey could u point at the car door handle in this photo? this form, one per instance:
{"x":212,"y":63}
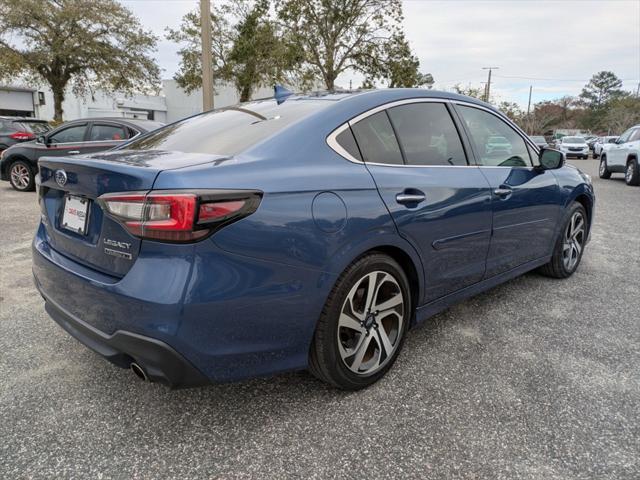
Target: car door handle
{"x":503,"y":192}
{"x":406,"y":197}
{"x":74,"y":152}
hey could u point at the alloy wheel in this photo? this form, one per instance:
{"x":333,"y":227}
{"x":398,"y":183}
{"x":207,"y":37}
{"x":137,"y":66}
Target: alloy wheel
{"x":630,"y":172}
{"x":573,"y":241}
{"x":370,"y":323}
{"x":603,"y":167}
{"x":20,"y":176}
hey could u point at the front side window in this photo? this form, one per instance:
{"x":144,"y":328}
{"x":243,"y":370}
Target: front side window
{"x":496,"y":143}
{"x":377,"y":141}
{"x":427,"y":134}
{"x":625,"y":136}
{"x":69,"y":135}
{"x":104,"y":132}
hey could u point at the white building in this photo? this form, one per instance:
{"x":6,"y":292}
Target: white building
{"x":172,"y":104}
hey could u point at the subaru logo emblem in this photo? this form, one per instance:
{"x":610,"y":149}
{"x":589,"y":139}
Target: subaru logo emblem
{"x":61,"y":177}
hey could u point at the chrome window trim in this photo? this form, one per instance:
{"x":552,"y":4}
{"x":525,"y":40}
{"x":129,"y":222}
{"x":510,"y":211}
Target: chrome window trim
{"x":336,"y":147}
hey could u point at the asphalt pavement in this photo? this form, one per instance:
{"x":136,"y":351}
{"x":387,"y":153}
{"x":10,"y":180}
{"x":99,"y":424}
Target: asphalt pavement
{"x":537,"y":378}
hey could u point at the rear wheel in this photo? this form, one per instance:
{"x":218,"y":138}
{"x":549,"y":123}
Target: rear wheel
{"x":632,"y":173}
{"x":363,"y":324}
{"x":569,"y":247}
{"x":21,"y":176}
{"x":603,"y":170}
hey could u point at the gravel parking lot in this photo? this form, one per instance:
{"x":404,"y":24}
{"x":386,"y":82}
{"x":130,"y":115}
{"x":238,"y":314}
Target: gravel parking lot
{"x":537,"y":378}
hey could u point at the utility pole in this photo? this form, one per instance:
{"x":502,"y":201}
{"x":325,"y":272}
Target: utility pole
{"x":638,"y":91}
{"x":528,"y":110}
{"x":488,"y":89}
{"x":207,"y":67}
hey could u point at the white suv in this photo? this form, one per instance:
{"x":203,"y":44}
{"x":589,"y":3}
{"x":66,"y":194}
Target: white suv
{"x":601,"y":142}
{"x":622,"y":157}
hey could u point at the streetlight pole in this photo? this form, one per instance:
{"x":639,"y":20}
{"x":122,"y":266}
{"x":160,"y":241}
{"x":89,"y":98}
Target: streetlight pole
{"x":488,"y":89}
{"x":207,"y":66}
{"x":528,"y":110}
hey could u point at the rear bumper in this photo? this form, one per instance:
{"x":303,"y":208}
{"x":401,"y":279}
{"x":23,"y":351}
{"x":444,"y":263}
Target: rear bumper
{"x":230,"y":317}
{"x":160,"y":362}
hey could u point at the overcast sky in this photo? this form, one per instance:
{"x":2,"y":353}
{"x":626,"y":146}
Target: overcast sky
{"x":554,"y":45}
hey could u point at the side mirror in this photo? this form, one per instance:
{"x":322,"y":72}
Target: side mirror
{"x":551,"y":159}
{"x":41,"y":139}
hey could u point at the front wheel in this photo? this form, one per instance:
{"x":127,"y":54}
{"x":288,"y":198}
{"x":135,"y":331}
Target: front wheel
{"x":362,"y":326}
{"x":21,"y":176}
{"x":603,"y":170}
{"x":632,"y":173}
{"x":569,"y":247}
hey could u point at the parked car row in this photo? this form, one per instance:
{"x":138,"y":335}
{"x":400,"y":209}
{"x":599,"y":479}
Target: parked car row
{"x":19,"y":162}
{"x":621,"y":156}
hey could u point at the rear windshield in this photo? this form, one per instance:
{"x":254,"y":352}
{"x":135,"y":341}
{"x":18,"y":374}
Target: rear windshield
{"x":33,"y":127}
{"x":228,"y":131}
{"x":573,"y":140}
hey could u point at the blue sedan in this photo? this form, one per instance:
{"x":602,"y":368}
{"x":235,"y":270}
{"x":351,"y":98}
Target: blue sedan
{"x":310,"y":233}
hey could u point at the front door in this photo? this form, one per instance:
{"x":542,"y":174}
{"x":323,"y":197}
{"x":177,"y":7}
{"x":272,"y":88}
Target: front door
{"x":65,"y":141}
{"x":617,"y":154}
{"x":526,"y":202}
{"x":439,"y":202}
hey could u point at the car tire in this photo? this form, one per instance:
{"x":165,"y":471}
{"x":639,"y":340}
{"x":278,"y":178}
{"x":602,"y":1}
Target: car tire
{"x":352,"y":348}
{"x":632,"y":173}
{"x":595,"y":155}
{"x":569,"y":246}
{"x":21,"y":176}
{"x":603,"y":169}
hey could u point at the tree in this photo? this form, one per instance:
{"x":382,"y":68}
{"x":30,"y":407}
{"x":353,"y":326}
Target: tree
{"x":334,"y":36}
{"x":396,"y":65}
{"x":623,"y":113}
{"x":511,"y":110}
{"x":603,"y":87}
{"x":79,"y":43}
{"x":469,"y":91}
{"x":249,"y":53}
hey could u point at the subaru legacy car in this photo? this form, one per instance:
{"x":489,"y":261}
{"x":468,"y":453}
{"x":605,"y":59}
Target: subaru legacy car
{"x":19,"y":163}
{"x":310,"y":233}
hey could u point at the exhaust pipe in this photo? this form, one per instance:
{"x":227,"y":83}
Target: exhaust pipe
{"x":138,"y":371}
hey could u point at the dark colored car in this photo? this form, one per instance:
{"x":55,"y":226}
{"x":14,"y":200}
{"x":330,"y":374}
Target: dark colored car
{"x":20,"y":129}
{"x":19,"y":164}
{"x":308,"y":234}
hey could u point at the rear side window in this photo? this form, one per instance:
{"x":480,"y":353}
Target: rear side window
{"x":33,"y":127}
{"x":427,"y":134}
{"x":377,"y":141}
{"x":347,"y":141}
{"x":103,"y":132}
{"x":228,"y":131}
{"x":496,"y":143}
{"x":635,"y":136}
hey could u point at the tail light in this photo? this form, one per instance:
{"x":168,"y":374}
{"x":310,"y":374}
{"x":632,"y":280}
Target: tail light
{"x":179,"y":215}
{"x":20,"y":136}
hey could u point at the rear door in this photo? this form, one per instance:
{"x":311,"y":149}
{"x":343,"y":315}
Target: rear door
{"x":439,"y":202}
{"x":105,"y":135}
{"x":526,"y":202}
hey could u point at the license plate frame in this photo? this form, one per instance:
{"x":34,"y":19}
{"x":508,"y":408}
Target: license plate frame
{"x":75,"y":214}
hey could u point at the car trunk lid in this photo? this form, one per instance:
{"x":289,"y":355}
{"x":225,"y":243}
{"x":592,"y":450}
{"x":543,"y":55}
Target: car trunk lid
{"x":76,"y":225}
